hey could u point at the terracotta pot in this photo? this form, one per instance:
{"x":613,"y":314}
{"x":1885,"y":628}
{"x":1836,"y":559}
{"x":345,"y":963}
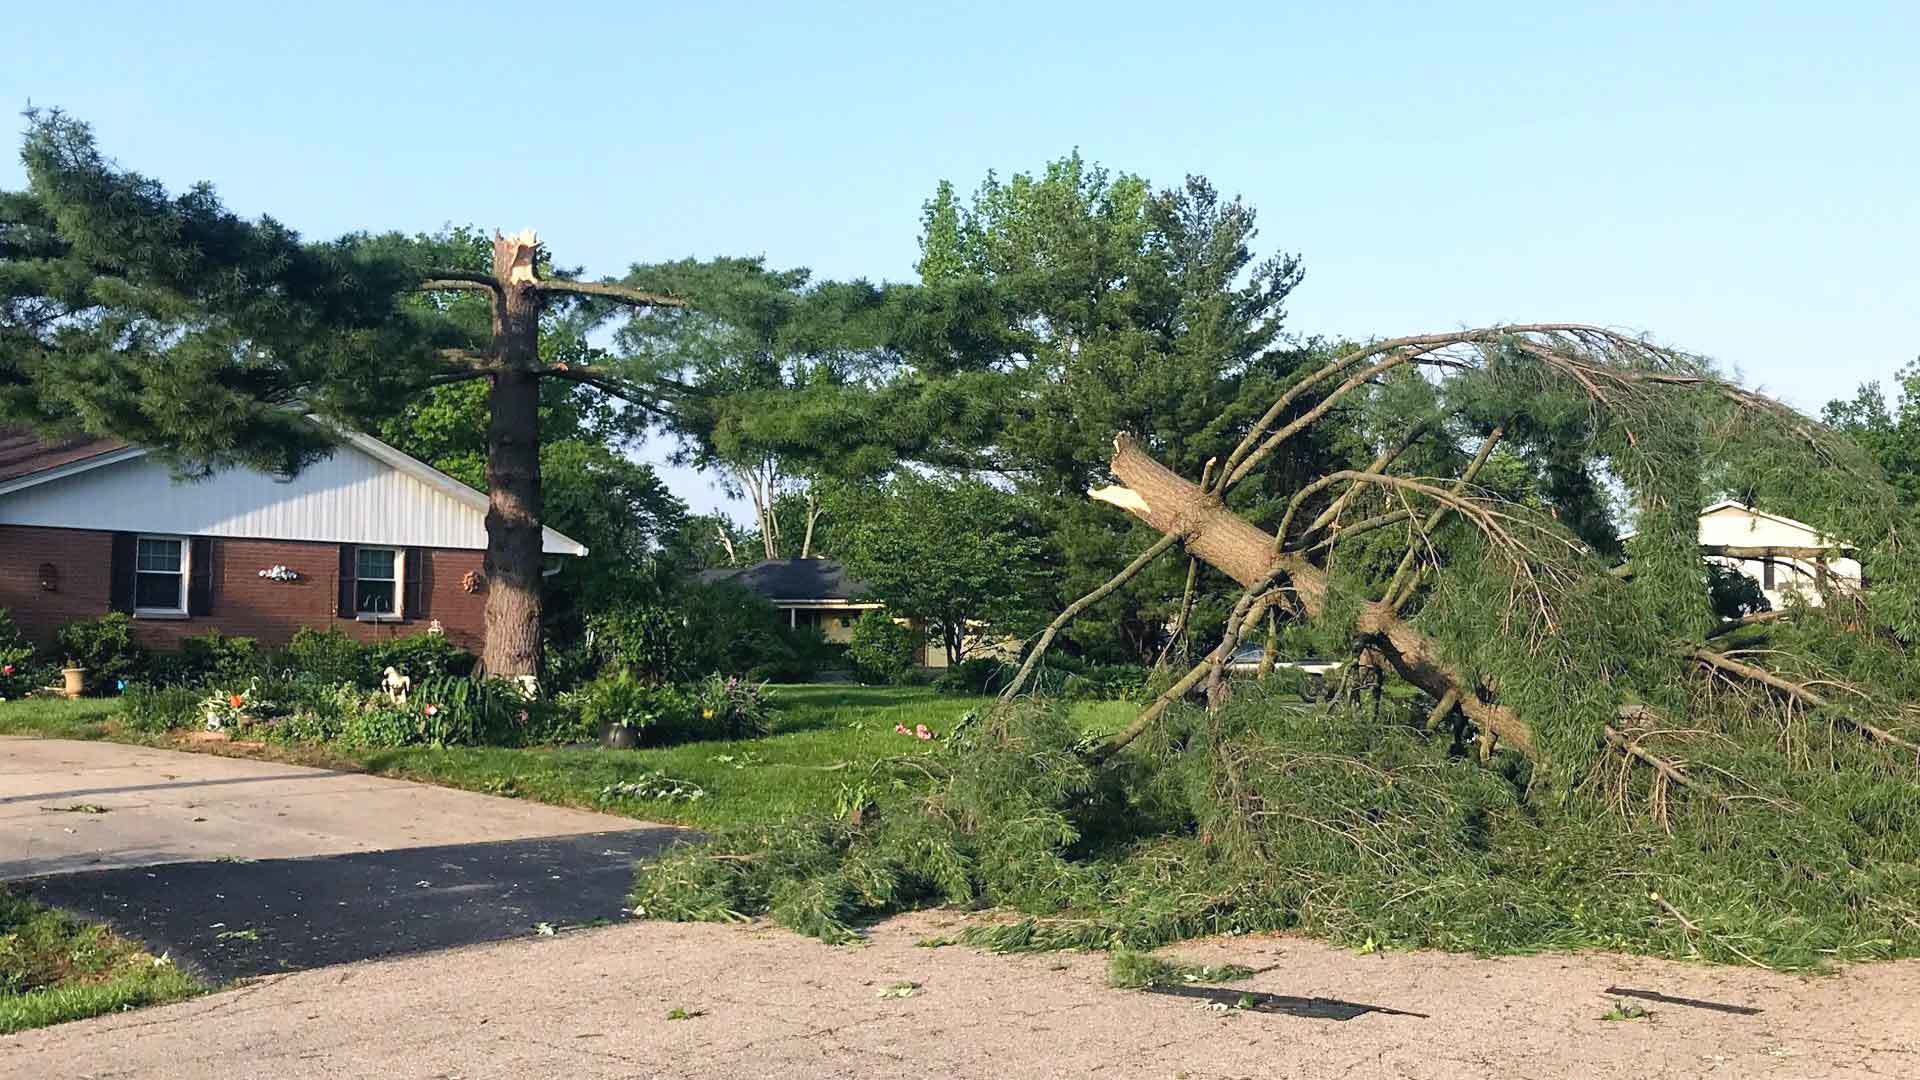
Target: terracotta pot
{"x":619,"y":736}
{"x":76,"y":681}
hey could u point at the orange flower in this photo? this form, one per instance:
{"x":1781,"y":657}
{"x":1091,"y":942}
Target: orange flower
{"x":236,"y":700}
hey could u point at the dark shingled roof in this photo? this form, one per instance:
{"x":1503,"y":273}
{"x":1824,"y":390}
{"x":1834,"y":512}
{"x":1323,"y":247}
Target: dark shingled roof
{"x":23,"y":453}
{"x":792,"y":579}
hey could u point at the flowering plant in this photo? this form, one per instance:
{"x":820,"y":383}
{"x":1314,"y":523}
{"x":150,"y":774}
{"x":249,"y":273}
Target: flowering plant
{"x":225,"y":709}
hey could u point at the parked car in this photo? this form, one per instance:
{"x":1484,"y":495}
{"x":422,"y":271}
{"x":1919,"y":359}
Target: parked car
{"x":1246,"y":661}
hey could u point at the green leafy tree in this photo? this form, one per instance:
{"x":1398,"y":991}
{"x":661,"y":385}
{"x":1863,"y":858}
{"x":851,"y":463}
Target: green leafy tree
{"x":1890,"y":433}
{"x":958,"y":555}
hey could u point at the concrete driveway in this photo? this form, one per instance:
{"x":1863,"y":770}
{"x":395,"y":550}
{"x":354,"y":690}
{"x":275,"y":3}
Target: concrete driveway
{"x":67,"y":806}
{"x":238,"y":867}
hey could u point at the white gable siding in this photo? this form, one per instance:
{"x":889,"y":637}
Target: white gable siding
{"x":1737,"y":526}
{"x":347,"y":498}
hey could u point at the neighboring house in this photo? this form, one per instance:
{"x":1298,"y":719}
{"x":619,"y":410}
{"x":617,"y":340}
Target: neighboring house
{"x":816,"y":593}
{"x":1783,"y":555}
{"x":369,"y":540}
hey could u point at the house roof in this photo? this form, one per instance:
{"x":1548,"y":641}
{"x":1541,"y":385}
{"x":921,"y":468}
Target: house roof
{"x":24,"y":453}
{"x":792,"y":579}
{"x":1736,"y":504}
{"x":30,"y":461}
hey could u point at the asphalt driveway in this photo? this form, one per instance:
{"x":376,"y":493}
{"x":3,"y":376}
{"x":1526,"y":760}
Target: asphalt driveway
{"x":239,"y":867}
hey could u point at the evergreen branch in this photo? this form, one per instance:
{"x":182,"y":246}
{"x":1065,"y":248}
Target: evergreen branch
{"x":619,"y":388}
{"x":607,"y":290}
{"x":459,"y":280}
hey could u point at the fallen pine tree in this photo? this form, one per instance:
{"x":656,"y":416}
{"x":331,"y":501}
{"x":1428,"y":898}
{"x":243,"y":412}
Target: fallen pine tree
{"x":1566,"y":746}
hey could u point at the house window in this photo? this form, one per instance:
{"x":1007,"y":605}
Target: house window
{"x":376,"y":584}
{"x":160,"y":575}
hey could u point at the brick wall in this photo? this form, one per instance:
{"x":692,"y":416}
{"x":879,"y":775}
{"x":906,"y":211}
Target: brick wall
{"x":244,"y":603}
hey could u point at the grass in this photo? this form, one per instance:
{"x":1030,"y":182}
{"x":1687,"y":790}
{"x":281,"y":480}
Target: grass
{"x":54,"y":969}
{"x":825,"y":743}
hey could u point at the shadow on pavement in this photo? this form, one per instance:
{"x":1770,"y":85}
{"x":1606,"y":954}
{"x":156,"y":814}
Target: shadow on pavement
{"x":1256,"y":1001}
{"x":233,"y":919}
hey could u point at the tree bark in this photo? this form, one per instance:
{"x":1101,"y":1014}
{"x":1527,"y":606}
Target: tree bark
{"x":514,"y":550}
{"x":1243,"y":551}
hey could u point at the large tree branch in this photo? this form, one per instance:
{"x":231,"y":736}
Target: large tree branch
{"x":1178,"y":507}
{"x":459,"y":280}
{"x":607,"y":290}
{"x":1798,"y":692}
{"x":620,"y":388}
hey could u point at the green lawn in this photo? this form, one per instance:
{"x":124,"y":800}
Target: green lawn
{"x":824,"y":737}
{"x":54,"y":969}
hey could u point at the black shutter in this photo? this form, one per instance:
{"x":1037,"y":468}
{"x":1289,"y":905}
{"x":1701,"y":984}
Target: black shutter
{"x":200,"y":577}
{"x":348,"y":568}
{"x":417,"y":572}
{"x":120,"y":572}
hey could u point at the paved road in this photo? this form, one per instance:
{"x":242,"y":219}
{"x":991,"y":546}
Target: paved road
{"x":238,"y":868}
{"x":766,"y":1003}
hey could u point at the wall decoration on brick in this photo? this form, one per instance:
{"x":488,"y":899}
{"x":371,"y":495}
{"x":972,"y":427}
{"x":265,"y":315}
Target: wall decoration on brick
{"x":277,"y":572}
{"x":473,"y":581}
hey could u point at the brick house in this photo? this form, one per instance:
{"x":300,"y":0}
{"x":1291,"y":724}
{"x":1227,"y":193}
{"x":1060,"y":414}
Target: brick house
{"x":368,"y":540}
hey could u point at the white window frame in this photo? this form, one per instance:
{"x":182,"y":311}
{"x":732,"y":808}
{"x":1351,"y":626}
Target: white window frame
{"x":399,"y":584}
{"x":186,"y":578}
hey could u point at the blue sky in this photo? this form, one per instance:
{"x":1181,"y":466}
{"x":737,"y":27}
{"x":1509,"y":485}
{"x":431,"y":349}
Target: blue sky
{"x":1742,"y":180}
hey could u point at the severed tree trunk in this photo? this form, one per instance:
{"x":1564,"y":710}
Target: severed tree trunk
{"x":518,"y":297}
{"x":514,"y":550}
{"x":1177,"y":507}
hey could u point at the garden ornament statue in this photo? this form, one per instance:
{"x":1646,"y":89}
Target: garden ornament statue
{"x":397,"y":685}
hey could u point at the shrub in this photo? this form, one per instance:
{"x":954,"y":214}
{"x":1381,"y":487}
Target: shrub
{"x":882,"y":650}
{"x":1105,"y":682}
{"x":648,"y":640}
{"x":104,"y":647}
{"x":211,"y":657}
{"x":980,"y":675}
{"x":624,"y":701}
{"x":730,"y":708}
{"x":154,"y":709}
{"x":732,"y":629}
{"x":557,"y":721}
{"x":418,"y":656}
{"x":376,"y":723}
{"x":327,"y":654}
{"x":19,"y":672}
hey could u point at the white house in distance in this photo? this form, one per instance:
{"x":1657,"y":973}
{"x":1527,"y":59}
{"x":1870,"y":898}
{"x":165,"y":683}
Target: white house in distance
{"x":1736,"y":535}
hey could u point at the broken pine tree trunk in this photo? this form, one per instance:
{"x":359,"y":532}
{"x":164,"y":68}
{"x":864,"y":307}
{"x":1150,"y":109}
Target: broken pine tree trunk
{"x":1178,"y":508}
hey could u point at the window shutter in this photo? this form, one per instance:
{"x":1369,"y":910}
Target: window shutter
{"x":200,"y":576}
{"x":348,"y":569}
{"x":120,"y":573}
{"x":417,"y":584}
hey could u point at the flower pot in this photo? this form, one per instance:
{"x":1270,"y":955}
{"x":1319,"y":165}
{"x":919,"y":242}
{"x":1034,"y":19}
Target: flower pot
{"x":76,"y":681}
{"x":619,"y":736}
